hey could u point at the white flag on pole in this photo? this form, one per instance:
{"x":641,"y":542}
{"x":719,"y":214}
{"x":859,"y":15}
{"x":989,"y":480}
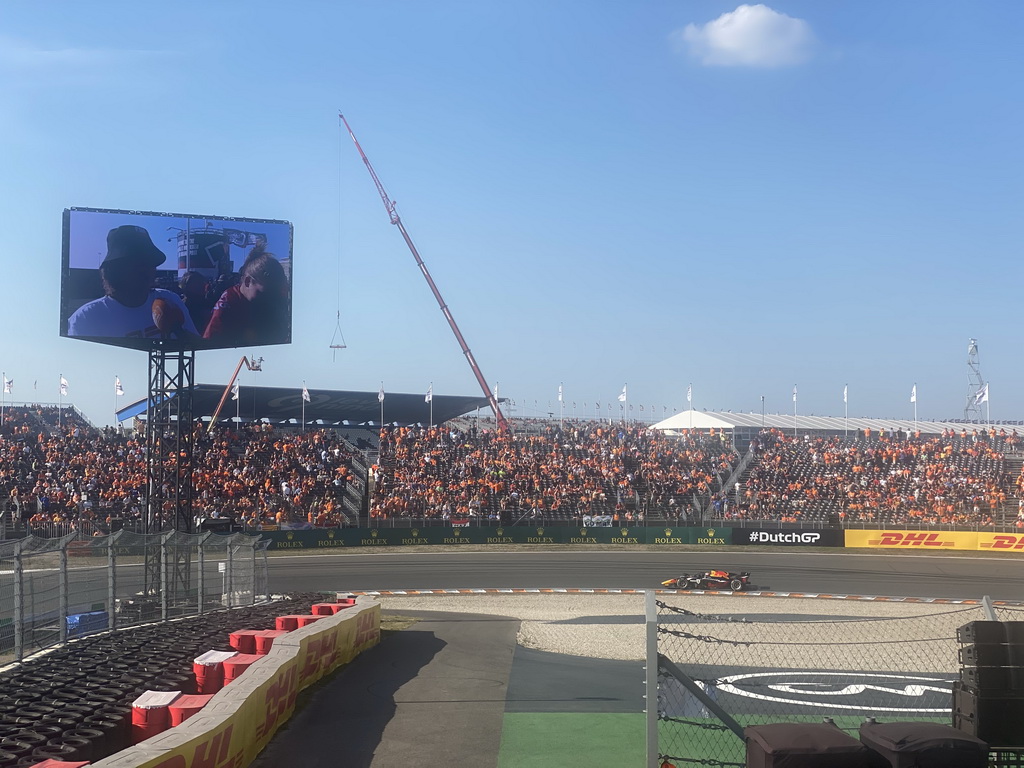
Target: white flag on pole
{"x":981,"y":396}
{"x":689,"y":393}
{"x":430,"y":394}
{"x":844,"y":392}
{"x":305,"y":394}
{"x":913,"y":394}
{"x":622,"y":394}
{"x":118,"y":389}
{"x":380,"y":395}
{"x":794,"y":393}
{"x":559,"y":393}
{"x":8,"y":385}
{"x":234,"y":390}
{"x":63,"y":385}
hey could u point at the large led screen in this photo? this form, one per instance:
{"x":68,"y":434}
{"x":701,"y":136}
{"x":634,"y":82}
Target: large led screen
{"x":134,"y":279}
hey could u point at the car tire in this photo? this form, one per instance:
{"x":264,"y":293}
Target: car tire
{"x":736,"y":585}
{"x":683,"y":584}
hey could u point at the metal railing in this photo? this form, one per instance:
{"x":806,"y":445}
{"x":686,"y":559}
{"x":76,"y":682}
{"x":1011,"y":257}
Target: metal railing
{"x":54,"y":590}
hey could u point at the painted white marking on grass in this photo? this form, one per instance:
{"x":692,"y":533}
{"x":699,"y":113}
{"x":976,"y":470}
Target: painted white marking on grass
{"x":918,"y":689}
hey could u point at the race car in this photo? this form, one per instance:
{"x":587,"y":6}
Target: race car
{"x":714,"y":579}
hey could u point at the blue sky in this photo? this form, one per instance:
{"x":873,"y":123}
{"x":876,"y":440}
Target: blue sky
{"x":655,"y":193}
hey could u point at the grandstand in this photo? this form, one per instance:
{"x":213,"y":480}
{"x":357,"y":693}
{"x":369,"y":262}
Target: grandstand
{"x":743,"y":427}
{"x":59,"y":474}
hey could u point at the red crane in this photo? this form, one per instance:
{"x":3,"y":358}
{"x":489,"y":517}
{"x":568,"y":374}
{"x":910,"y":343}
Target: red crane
{"x":389,"y":204}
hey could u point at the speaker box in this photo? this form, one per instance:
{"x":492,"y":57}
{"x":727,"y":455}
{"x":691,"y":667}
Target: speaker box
{"x":993,"y":679}
{"x":803,"y":745}
{"x":992,"y":655}
{"x":916,"y":744}
{"x":991,"y":632}
{"x":996,"y":717}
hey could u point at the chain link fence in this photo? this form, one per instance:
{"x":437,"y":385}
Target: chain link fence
{"x":726,"y":663}
{"x":54,"y":590}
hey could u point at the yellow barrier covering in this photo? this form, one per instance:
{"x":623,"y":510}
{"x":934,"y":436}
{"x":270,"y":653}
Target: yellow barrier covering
{"x":241,"y":719}
{"x":935,"y":540}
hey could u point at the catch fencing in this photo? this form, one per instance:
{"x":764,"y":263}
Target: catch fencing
{"x":54,"y":590}
{"x":724,"y":663}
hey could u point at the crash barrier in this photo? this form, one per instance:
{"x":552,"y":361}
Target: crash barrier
{"x":79,"y":698}
{"x":238,"y":722}
{"x":54,"y":590}
{"x":622,"y":535}
{"x":724,"y":665}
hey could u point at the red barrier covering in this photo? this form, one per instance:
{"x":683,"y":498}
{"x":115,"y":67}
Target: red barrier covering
{"x":236,"y":665}
{"x":209,"y":670}
{"x":305,"y":621}
{"x":186,"y":705}
{"x":150,"y":715}
{"x":265,"y":640}
{"x":51,"y":763}
{"x":287,"y":623}
{"x":244,"y":640}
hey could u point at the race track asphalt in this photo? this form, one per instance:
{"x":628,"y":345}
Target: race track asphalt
{"x":957,"y":577}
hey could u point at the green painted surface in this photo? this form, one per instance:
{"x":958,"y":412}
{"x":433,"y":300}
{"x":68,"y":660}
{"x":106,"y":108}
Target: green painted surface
{"x":530,"y":740}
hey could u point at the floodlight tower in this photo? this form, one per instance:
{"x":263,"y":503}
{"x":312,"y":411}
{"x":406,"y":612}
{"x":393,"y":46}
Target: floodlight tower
{"x":975,"y":383}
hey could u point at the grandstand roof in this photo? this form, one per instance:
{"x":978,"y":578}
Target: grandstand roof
{"x":279,"y":404}
{"x":729,"y":421}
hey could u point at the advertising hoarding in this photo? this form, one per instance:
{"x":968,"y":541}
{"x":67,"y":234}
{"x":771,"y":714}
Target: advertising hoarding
{"x":131,"y":279}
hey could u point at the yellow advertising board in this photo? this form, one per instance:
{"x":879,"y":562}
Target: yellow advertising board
{"x":263,"y":699}
{"x":926,"y":540}
{"x":1001,"y":542}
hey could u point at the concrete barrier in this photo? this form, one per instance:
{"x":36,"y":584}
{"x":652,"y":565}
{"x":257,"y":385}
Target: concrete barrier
{"x":241,"y":719}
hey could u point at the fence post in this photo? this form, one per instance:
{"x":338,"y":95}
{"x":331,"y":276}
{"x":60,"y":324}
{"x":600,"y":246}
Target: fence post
{"x":165,"y":580}
{"x":202,"y":570}
{"x":252,"y":549}
{"x":112,"y":580}
{"x":62,"y":593}
{"x":229,"y":575}
{"x":19,"y":602}
{"x":651,"y":677}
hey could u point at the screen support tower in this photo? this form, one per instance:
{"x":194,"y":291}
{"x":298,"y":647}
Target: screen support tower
{"x":169,"y":443}
{"x":975,"y":383}
{"x":389,"y":204}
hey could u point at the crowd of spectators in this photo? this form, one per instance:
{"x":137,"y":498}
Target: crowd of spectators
{"x":56,"y":471}
{"x":893,"y":478}
{"x":585,"y":472}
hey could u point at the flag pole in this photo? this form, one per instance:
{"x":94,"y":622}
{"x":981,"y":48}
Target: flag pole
{"x":432,"y":403}
{"x":846,"y":409}
{"x":60,"y":399}
{"x":381,"y":398}
{"x":794,"y":411}
{"x":304,"y":406}
{"x":915,"y":406}
{"x":3,"y":397}
{"x":561,"y":406}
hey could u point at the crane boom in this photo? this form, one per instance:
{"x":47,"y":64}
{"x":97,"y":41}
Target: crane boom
{"x":389,"y":204}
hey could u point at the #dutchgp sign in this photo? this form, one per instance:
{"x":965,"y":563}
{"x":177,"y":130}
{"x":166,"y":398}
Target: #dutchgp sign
{"x":824,"y":538}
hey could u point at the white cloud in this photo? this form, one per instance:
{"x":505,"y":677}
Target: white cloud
{"x":750,"y":36}
{"x":24,"y":63}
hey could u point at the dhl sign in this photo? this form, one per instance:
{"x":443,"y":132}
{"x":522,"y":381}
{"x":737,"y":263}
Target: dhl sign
{"x":927,"y":540}
{"x":1001,"y":542}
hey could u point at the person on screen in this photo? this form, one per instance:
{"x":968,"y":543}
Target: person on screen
{"x":132,"y":307}
{"x":255,"y":311}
